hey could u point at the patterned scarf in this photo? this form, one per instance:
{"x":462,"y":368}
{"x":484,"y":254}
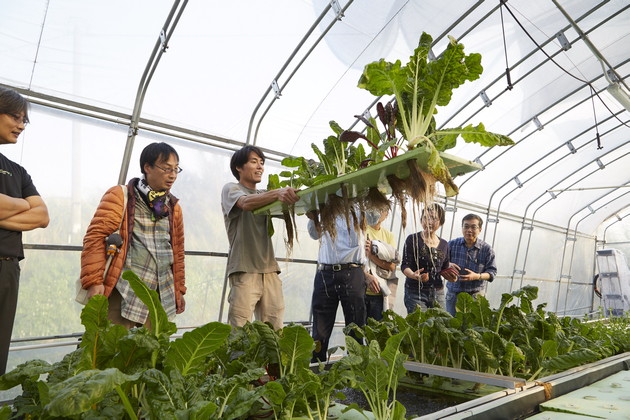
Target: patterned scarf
{"x":158,"y":201}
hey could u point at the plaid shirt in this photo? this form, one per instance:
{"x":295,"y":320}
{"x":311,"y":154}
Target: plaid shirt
{"x":150,"y":256}
{"x":480,"y":259}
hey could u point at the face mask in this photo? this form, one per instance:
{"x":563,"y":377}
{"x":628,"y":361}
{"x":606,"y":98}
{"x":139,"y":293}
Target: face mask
{"x":372,"y":217}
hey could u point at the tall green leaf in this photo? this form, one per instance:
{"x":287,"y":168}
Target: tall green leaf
{"x":77,"y":394}
{"x":189,"y":352}
{"x":159,"y":321}
{"x":296,"y":345}
{"x":30,"y":370}
{"x":101,"y":337}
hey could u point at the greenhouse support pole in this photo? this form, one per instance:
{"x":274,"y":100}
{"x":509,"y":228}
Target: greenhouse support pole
{"x":554,"y":196}
{"x":161,"y":45}
{"x":592,"y":211}
{"x":283,"y":68}
{"x":308,"y":53}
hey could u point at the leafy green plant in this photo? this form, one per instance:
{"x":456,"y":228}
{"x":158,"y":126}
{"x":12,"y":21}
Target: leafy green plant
{"x":377,"y":373}
{"x":514,"y":339}
{"x":211,"y":372}
{"x":420,"y":87}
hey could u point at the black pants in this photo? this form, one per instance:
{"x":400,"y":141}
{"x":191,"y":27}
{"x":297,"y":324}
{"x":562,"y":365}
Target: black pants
{"x":9,"y":285}
{"x":374,"y":307}
{"x":331,"y":287}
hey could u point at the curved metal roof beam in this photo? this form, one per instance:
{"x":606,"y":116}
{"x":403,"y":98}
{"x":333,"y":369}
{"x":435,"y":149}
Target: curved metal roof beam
{"x":560,"y":100}
{"x":549,"y":166}
{"x":160,"y":48}
{"x":523,"y":223}
{"x":478,"y":158}
{"x":619,"y":219}
{"x":524,"y":59}
{"x":567,"y":238}
{"x":289,"y":60}
{"x":551,"y":106}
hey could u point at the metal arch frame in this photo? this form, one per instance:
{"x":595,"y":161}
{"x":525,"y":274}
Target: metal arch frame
{"x":566,"y":155}
{"x":524,"y":59}
{"x":148,"y":125}
{"x":523,"y":225}
{"x":575,"y":230}
{"x":162,"y":41}
{"x":619,"y":219}
{"x":286,"y":64}
{"x":551,"y":106}
{"x":545,"y":203}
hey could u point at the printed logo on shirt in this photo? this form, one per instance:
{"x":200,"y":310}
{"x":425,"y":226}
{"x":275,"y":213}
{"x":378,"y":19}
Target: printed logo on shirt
{"x":3,"y":172}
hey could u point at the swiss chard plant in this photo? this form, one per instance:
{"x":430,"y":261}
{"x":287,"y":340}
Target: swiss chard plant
{"x":419,"y":88}
{"x":515,"y":339}
{"x":212,"y":372}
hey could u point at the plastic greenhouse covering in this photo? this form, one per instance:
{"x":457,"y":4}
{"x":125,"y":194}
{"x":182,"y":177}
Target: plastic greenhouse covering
{"x":107,"y":78}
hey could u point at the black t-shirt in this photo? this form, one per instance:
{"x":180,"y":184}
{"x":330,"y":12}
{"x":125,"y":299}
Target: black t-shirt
{"x":14,"y":182}
{"x":416,"y":255}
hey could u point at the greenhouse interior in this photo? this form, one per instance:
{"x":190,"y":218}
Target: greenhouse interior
{"x":522,"y":106}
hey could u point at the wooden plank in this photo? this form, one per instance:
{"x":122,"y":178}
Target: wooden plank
{"x":360,"y":181}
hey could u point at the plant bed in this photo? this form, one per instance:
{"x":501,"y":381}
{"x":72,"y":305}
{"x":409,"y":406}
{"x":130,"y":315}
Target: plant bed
{"x":358,"y":183}
{"x":417,"y":403}
{"x":456,"y":390}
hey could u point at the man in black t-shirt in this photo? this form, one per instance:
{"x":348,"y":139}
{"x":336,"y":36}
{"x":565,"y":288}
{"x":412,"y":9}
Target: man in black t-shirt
{"x":21,"y":209}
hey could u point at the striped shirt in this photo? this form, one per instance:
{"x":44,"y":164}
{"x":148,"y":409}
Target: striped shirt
{"x":479,"y":258}
{"x":150,"y":256}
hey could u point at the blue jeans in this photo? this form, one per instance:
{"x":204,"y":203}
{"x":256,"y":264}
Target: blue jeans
{"x":451,"y":299}
{"x":427,"y":297}
{"x":331,"y":287}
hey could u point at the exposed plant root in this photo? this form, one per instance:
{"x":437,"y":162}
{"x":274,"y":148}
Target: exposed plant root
{"x":289,"y":223}
{"x":419,"y":186}
{"x":399,"y":187}
{"x":376,"y":200}
{"x":334,"y":207}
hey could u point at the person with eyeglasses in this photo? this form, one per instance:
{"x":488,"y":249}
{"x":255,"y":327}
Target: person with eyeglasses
{"x":252,"y":270}
{"x":152,"y":232}
{"x":21,"y":209}
{"x":474,"y":259}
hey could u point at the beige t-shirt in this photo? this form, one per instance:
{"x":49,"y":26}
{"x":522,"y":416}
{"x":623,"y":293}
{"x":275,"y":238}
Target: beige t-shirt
{"x":251,"y":250}
{"x":384,"y":236}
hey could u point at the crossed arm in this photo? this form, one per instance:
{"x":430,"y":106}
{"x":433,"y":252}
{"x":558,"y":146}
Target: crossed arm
{"x":22,"y":214}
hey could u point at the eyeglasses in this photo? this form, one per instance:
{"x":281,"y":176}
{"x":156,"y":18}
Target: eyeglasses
{"x":176,"y":169}
{"x":470,"y":227}
{"x":19,"y":120}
